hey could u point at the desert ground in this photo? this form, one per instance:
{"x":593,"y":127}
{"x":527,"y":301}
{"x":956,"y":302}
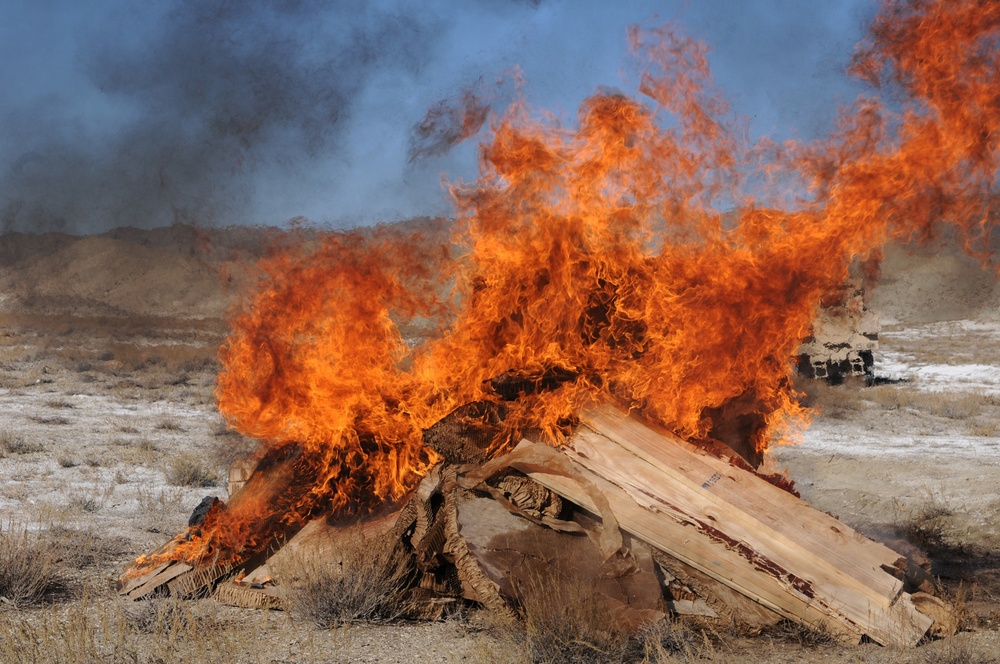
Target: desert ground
{"x":109,"y":437}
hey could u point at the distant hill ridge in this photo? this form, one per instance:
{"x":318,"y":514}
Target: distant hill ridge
{"x":176,"y":271}
{"x":190,"y":272}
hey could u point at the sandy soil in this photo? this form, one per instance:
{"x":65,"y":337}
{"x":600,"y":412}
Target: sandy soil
{"x":106,"y":382}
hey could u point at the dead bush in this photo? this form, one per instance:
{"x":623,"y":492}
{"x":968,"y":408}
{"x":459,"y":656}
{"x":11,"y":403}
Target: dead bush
{"x":58,"y":420}
{"x":890,"y":397}
{"x":30,"y":572}
{"x":983,"y":429}
{"x":11,"y":443}
{"x":831,"y":400}
{"x":66,"y":461}
{"x":926,"y":527}
{"x":167,"y":424}
{"x":952,"y":651}
{"x":952,"y":405}
{"x":191,"y":470}
{"x":161,"y":616}
{"x":566,"y":622}
{"x":110,"y":633}
{"x":806,"y":636}
{"x":79,"y":548}
{"x":367,"y":581}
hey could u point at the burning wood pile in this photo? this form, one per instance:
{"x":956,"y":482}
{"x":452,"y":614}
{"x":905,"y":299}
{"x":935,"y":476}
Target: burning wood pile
{"x":469,"y":400}
{"x":662,"y":525}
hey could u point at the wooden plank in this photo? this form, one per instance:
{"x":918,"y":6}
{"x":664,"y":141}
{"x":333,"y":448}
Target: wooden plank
{"x":815,"y":531}
{"x":198,"y":581}
{"x":697,"y":505}
{"x":698,"y":552}
{"x":147,"y":584}
{"x":871,"y":564}
{"x":689,"y":522}
{"x":847,"y":598}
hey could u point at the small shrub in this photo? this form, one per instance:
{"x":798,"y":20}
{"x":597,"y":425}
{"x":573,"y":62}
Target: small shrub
{"x":807,"y":636}
{"x":140,"y":452}
{"x":952,"y":651}
{"x":67,"y":462}
{"x":168,"y":425}
{"x":566,"y":622}
{"x":29,"y":569}
{"x":369,"y":583}
{"x":14,"y":444}
{"x":83,"y":503}
{"x":79,"y":548}
{"x":889,"y":397}
{"x":142,"y":632}
{"x":983,"y":429}
{"x":58,"y":420}
{"x":926,"y":528}
{"x":190,"y":470}
{"x":161,"y":617}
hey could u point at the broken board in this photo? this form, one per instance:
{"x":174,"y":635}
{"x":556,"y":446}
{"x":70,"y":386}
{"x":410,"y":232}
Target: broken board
{"x":737,"y":528}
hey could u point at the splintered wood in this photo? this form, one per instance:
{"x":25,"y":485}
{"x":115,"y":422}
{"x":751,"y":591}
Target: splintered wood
{"x":736,"y":528}
{"x":647,"y":523}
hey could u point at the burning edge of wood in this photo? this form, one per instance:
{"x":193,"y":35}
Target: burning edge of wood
{"x":651,"y":523}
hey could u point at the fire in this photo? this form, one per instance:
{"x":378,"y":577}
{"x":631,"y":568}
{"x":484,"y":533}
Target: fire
{"x":597,"y":259}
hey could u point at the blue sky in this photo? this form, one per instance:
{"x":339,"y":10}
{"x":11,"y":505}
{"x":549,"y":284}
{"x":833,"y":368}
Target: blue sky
{"x":118,"y":112}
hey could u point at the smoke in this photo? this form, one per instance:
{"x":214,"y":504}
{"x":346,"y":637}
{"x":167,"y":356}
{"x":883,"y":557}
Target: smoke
{"x":206,"y":98}
{"x":255,"y":111}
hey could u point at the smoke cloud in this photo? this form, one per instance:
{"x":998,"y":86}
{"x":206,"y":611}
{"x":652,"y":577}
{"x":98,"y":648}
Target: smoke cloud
{"x":223,"y":112}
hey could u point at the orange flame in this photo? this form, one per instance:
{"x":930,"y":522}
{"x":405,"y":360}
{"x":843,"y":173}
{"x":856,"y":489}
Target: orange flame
{"x":599,"y":253}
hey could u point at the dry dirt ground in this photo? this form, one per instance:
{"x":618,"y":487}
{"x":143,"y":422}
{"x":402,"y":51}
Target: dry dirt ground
{"x":109,"y":437}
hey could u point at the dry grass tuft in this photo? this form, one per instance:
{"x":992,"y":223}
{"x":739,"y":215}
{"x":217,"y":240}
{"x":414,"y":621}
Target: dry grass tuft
{"x":79,"y":548}
{"x":926,"y":527}
{"x":369,"y":583}
{"x":831,"y":400}
{"x":11,"y":443}
{"x":90,"y":632}
{"x":142,"y":452}
{"x":952,"y":405}
{"x":191,"y":470}
{"x":564,"y":622}
{"x":126,"y":427}
{"x":986,"y":429}
{"x":30,"y":570}
{"x":567,"y":622}
{"x":58,"y":420}
{"x":166,"y":424}
{"x":953,"y":651}
{"x":806,"y":636}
